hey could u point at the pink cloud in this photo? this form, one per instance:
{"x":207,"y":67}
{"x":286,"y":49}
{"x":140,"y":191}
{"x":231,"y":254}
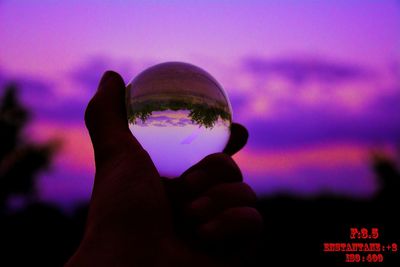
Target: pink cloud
{"x":76,"y":151}
{"x":336,"y":168}
{"x":288,"y":160}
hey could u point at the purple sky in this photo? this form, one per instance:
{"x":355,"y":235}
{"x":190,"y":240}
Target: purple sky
{"x":315,"y":82}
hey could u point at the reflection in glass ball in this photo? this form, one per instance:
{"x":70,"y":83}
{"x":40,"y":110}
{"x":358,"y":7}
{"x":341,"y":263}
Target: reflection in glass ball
{"x":179,"y":113}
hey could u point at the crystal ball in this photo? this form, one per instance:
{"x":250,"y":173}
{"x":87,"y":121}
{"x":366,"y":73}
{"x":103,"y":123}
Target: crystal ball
{"x":179,"y":113}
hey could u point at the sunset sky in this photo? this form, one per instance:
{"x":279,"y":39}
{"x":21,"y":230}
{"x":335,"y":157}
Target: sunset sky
{"x":315,"y":82}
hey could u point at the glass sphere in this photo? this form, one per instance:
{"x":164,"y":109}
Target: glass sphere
{"x":179,"y":113}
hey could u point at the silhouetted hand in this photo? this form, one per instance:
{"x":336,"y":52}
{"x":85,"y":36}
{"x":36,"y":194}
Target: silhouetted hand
{"x":137,"y":218}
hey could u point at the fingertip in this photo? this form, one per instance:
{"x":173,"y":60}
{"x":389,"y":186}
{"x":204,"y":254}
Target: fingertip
{"x":108,"y":100}
{"x":200,"y":207}
{"x":108,"y":77}
{"x":228,"y":195}
{"x":240,"y":129}
{"x":106,"y":118}
{"x":213,"y":169}
{"x":237,"y":140}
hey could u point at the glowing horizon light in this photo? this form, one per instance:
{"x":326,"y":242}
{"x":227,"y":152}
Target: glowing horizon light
{"x":179,"y":113}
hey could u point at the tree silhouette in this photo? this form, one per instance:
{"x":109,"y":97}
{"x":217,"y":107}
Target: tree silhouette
{"x":202,"y":114}
{"x":20,"y":160}
{"x":388,"y":173}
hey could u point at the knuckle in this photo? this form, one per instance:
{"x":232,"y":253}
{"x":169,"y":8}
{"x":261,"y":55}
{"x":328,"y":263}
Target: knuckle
{"x":251,"y":214}
{"x":249,"y":192}
{"x":224,"y":165}
{"x":233,"y":194}
{"x":218,"y":158}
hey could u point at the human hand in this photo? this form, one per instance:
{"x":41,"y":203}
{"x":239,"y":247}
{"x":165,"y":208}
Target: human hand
{"x":137,"y":218}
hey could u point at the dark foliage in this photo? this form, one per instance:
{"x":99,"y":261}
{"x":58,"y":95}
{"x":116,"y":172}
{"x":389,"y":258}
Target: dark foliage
{"x":20,"y":160}
{"x":201,"y":114}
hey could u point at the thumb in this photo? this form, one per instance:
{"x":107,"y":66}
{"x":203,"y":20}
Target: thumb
{"x":128,"y":210}
{"x":106,"y":121}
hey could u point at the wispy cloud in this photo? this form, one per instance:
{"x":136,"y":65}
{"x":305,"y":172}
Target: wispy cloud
{"x":270,"y":88}
{"x":312,"y":123}
{"x":307,"y":69}
{"x":88,"y":73}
